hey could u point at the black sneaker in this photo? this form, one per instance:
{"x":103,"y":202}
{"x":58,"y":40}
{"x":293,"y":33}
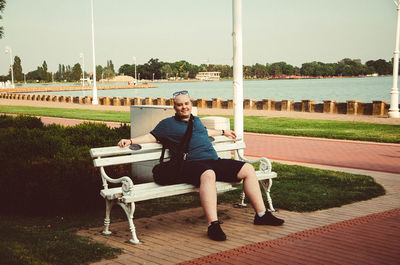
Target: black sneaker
{"x":215,"y":232}
{"x":268,"y":219}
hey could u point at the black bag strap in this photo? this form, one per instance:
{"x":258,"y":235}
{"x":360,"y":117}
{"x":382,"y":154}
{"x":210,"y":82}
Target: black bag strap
{"x":187,"y":137}
{"x":184,"y":145}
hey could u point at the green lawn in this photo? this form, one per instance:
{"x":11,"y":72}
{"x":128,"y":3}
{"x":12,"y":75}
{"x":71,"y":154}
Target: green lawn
{"x":361,"y":131}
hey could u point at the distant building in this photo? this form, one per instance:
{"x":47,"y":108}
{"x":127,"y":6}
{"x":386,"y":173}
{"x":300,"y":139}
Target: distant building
{"x":208,"y":76}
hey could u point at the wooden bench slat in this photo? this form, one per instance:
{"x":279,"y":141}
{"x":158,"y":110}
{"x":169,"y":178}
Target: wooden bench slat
{"x":152,"y":190}
{"x":150,"y":147}
{"x":154,"y":155}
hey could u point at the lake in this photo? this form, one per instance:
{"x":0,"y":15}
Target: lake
{"x":365,"y":89}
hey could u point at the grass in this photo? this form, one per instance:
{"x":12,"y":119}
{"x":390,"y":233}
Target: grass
{"x":85,"y":114}
{"x":53,"y":240}
{"x":361,"y":131}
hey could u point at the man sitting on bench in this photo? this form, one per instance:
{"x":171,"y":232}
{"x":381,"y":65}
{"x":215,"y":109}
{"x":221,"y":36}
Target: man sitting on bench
{"x":203,"y":168}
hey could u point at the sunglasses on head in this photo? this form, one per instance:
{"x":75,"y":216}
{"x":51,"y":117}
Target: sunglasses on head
{"x":183,"y":92}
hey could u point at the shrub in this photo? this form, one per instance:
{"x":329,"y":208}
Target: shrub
{"x":48,"y":169}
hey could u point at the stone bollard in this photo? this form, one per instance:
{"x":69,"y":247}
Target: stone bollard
{"x":353,"y":107}
{"x":148,"y":101}
{"x":116,"y":101}
{"x":106,"y":101}
{"x":137,"y":101}
{"x":161,"y":101}
{"x":307,"y":105}
{"x":216,"y":103}
{"x":230,"y":103}
{"x":250,"y":104}
{"x":330,"y":106}
{"x":287,"y":105}
{"x":378,"y":107}
{"x":268,"y":104}
{"x":201,"y":103}
{"x":127,"y":101}
{"x":87,"y":100}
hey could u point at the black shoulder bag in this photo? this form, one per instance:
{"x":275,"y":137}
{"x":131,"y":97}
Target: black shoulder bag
{"x":170,"y":172}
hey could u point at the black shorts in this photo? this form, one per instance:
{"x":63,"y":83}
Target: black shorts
{"x":225,"y":170}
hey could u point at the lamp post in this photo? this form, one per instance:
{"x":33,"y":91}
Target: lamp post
{"x":394,"y":94}
{"x":94,"y":101}
{"x":134,"y":60}
{"x":237,"y":68}
{"x":83,"y":67}
{"x":8,"y":50}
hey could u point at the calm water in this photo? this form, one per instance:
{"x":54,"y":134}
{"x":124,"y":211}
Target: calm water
{"x":339,"y":89}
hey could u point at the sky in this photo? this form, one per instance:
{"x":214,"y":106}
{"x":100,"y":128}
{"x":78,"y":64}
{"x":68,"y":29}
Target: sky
{"x":294,"y":31}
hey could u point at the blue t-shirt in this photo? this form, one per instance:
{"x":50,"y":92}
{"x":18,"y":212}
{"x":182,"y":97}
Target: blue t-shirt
{"x":171,"y":131}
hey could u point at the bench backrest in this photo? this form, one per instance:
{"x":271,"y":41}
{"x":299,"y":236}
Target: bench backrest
{"x":107,"y":156}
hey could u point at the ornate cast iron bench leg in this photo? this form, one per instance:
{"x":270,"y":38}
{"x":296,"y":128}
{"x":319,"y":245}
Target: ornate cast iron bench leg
{"x":267,"y":183}
{"x":129,"y":209}
{"x":109,"y":205}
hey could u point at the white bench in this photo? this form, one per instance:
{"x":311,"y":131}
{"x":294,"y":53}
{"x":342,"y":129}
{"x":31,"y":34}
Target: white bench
{"x":127,"y":194}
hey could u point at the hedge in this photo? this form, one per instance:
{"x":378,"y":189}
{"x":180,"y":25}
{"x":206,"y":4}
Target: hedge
{"x":47,"y":169}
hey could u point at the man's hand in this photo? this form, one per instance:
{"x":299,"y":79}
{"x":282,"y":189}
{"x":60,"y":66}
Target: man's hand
{"x":229,"y":133}
{"x":124,"y":143}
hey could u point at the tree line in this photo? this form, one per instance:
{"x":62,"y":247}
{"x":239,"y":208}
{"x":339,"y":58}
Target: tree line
{"x":156,"y":69}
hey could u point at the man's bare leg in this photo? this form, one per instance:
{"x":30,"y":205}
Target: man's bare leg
{"x":208,"y":198}
{"x":253,"y":192}
{"x":208,"y":195}
{"x":251,"y":187}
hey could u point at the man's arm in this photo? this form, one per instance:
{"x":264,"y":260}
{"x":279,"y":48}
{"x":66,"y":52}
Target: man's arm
{"x":147,"y":138}
{"x":227,"y":133}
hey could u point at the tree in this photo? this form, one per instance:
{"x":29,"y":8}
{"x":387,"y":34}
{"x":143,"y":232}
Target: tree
{"x":44,"y":75}
{"x":166,"y":71}
{"x":17,"y":68}
{"x":34,"y":75}
{"x":108,"y":73}
{"x":99,"y":71}
{"x":380,"y":66}
{"x":76,"y":73}
{"x":2,"y":6}
{"x":127,"y":69}
{"x":260,"y":71}
{"x":110,"y":66}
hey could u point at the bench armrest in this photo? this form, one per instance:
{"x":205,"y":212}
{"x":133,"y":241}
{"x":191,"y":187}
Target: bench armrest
{"x":265,"y":164}
{"x":127,"y":184}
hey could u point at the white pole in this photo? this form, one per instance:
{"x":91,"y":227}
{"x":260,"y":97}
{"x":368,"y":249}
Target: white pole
{"x":394,"y":94}
{"x":237,"y":68}
{"x":134,"y":58}
{"x":94,"y":101}
{"x":8,"y":50}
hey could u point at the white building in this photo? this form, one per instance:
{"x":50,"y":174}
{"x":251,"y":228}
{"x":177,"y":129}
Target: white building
{"x":208,"y":76}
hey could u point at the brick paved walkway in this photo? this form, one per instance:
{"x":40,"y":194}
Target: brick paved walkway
{"x":371,"y":239}
{"x":349,"y":154}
